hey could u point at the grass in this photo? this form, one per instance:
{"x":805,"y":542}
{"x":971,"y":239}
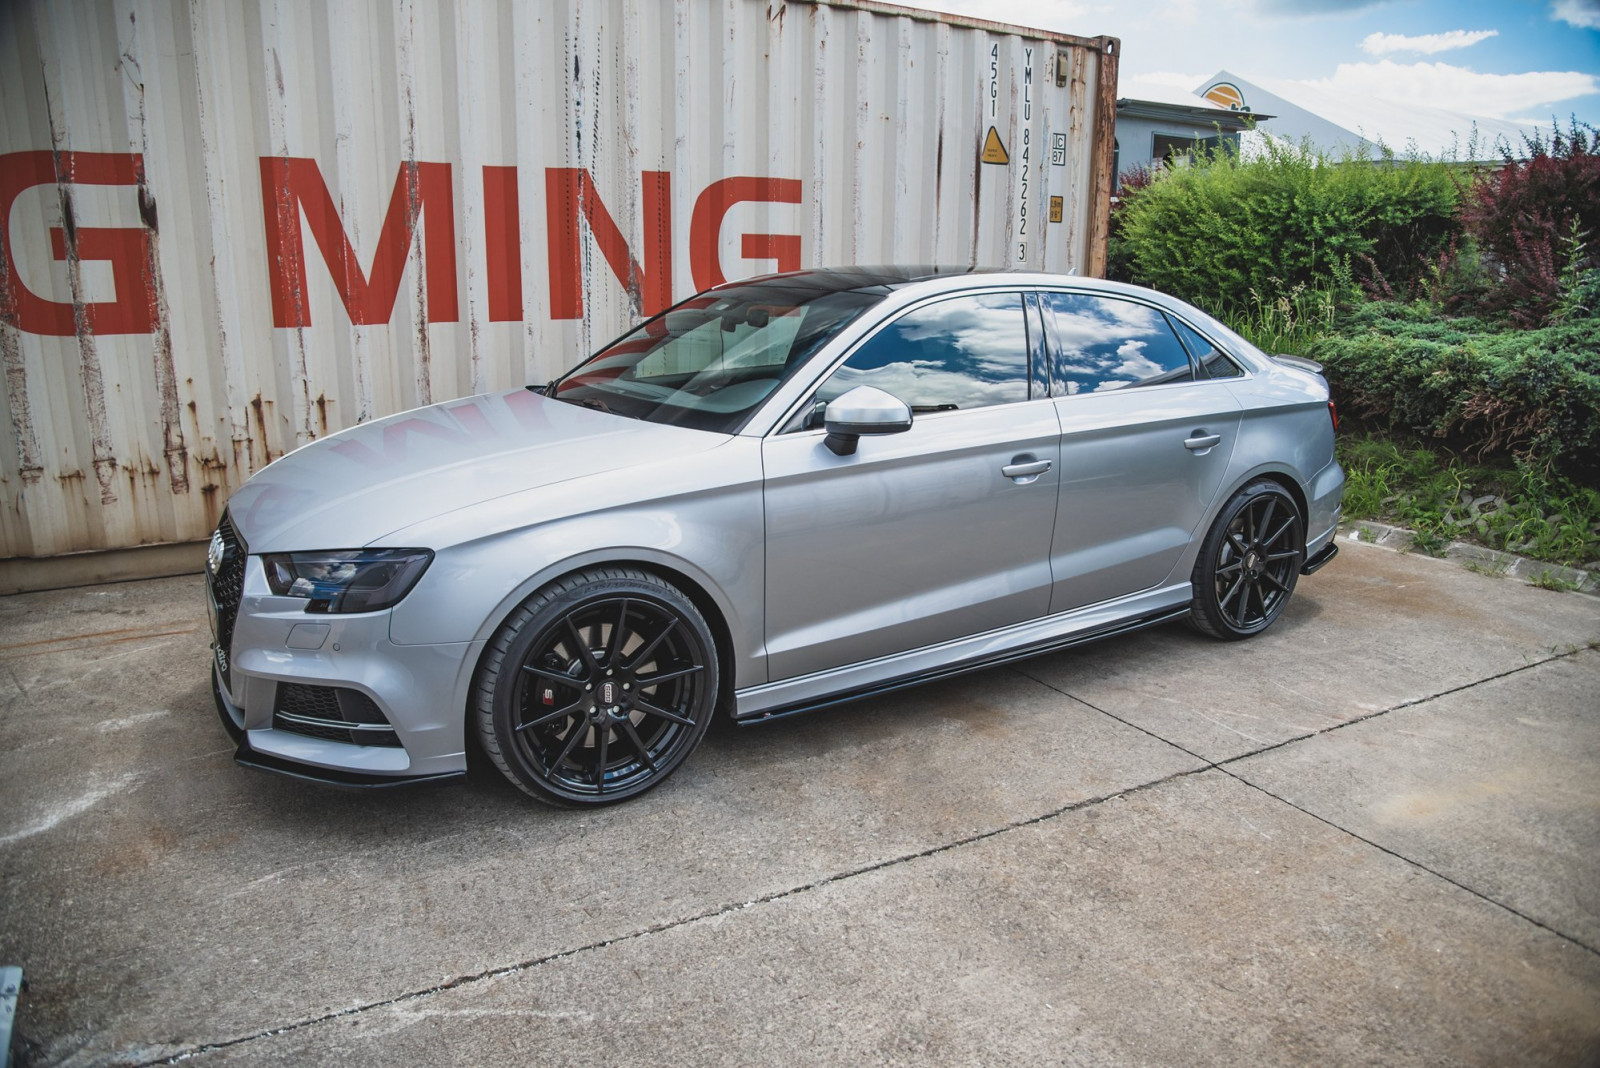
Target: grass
{"x":1444,"y":498}
{"x":1549,"y":580}
{"x":1285,"y":323}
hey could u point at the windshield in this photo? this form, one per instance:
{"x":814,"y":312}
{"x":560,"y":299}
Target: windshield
{"x":709,"y":362}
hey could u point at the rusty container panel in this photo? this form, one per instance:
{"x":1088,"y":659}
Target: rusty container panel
{"x":234,"y":226}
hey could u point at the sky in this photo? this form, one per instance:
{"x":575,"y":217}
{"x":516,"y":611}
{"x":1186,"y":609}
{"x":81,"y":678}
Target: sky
{"x":1525,"y":60}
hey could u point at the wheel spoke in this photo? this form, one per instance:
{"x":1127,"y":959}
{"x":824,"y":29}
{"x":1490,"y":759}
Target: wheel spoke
{"x":614,"y":648}
{"x":1238,"y":544}
{"x":553,"y":676}
{"x":1232,"y":590}
{"x":1273,"y":579}
{"x":583,"y":646}
{"x":1265,"y":522}
{"x":603,"y":731}
{"x":651,"y":710}
{"x":643,"y":656}
{"x":1287,"y":523}
{"x":1290,"y":555}
{"x":638,"y":743}
{"x":550,"y":716}
{"x":668,"y":676}
{"x":1228,"y":569}
{"x":578,"y":731}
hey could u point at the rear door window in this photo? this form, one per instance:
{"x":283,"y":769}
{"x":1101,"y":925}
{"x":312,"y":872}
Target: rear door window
{"x":1105,"y":344}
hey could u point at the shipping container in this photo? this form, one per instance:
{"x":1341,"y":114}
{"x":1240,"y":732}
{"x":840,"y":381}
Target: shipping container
{"x":233,"y":227}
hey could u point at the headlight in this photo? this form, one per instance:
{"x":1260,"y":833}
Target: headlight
{"x":347,"y":580}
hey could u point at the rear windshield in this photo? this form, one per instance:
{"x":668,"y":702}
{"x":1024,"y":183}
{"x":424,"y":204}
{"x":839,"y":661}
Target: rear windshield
{"x":709,"y":362}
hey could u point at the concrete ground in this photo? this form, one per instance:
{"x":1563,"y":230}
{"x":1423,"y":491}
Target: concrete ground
{"x":1370,"y":836}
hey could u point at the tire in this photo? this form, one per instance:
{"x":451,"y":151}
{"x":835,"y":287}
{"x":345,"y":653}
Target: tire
{"x":597,"y":687}
{"x":1248,"y":564}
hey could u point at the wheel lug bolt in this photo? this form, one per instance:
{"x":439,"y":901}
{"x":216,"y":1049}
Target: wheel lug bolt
{"x":588,"y":686}
{"x":627,"y":686}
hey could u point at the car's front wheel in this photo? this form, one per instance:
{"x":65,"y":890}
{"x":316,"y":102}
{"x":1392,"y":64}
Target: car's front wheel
{"x":597,"y":687}
{"x":1248,"y":563}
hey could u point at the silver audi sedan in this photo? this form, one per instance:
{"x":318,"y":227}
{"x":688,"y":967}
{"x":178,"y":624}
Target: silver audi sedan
{"x":779,"y":494}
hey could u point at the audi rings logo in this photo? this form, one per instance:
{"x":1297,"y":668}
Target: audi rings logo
{"x":216,"y":553}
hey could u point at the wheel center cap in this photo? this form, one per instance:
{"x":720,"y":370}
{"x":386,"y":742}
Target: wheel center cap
{"x":609,"y":692}
{"x":1252,"y":562}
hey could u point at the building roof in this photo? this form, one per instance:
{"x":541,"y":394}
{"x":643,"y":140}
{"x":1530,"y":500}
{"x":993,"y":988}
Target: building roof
{"x":1205,"y":117}
{"x":1161,"y":101}
{"x":1355,"y":122}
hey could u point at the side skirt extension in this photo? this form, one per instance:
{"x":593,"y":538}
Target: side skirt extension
{"x":1022,"y":652}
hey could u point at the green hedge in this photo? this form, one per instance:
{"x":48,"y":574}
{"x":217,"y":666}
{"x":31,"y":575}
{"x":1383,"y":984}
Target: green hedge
{"x":1534,"y":394}
{"x":1218,"y":229}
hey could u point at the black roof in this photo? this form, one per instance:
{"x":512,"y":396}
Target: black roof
{"x":821,"y":280}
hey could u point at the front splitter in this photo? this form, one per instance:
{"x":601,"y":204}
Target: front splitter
{"x":350,"y":780}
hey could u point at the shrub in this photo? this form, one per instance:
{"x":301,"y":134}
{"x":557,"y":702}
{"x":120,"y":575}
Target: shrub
{"x":1537,"y":220}
{"x":1119,"y":251}
{"x":1531,"y":394}
{"x":1218,"y":229}
{"x":1288,"y":323}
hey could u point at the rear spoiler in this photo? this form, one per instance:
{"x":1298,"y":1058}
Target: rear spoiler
{"x":1298,"y":361}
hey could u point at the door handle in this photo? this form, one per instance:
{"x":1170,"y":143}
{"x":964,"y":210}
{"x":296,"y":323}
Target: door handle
{"x":1202,"y":440}
{"x":1025,"y":469}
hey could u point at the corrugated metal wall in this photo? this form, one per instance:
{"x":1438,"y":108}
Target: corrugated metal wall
{"x":233,"y":227}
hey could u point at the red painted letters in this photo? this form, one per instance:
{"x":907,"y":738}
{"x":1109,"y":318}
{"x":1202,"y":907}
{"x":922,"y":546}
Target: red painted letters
{"x":502,"y":225}
{"x":705,"y":229}
{"x":290,"y":186}
{"x":293,"y":189}
{"x":570,"y":190}
{"x":127,"y":249}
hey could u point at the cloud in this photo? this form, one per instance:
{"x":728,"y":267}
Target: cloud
{"x":1378,"y":44}
{"x":1314,"y":8}
{"x":1174,"y":79}
{"x":1440,"y":85}
{"x":1584,"y":14}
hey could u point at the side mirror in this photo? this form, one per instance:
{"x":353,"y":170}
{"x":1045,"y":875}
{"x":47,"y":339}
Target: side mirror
{"x":863,"y":410}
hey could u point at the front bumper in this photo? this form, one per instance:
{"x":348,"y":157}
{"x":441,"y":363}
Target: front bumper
{"x":419,"y":691}
{"x":249,"y":757}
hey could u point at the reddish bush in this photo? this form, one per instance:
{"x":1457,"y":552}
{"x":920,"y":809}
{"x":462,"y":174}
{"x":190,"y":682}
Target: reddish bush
{"x":1537,"y":221}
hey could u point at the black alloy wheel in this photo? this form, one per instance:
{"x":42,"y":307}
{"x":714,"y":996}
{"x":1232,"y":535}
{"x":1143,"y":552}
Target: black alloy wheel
{"x":1249,"y":563}
{"x":597,"y":687}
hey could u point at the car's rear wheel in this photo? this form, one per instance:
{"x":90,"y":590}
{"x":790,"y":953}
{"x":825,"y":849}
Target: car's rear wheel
{"x":597,"y":687}
{"x":1248,"y":563}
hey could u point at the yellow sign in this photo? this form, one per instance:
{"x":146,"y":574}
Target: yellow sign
{"x":1055,"y":209}
{"x":1228,"y":95}
{"x":993,"y":150}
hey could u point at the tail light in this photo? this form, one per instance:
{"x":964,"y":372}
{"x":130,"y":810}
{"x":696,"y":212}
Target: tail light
{"x":1333,"y":413}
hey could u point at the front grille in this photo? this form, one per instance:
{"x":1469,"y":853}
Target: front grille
{"x":332,"y":713}
{"x":227,"y":588}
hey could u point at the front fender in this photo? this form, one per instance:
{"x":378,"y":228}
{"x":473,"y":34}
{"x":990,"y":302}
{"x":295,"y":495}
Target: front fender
{"x":704,"y":521}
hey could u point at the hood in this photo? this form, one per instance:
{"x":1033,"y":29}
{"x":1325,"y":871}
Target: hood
{"x":351,"y":488}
